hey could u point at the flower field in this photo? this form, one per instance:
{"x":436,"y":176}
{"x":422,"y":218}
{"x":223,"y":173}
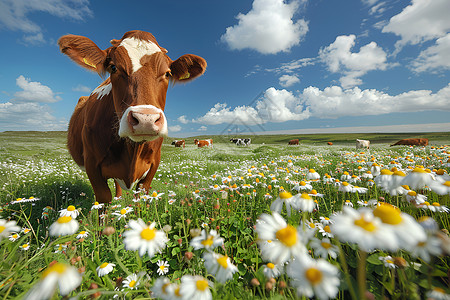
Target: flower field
{"x":265,"y":221}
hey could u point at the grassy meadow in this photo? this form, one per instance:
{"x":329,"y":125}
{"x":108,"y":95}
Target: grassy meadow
{"x":231,"y":222}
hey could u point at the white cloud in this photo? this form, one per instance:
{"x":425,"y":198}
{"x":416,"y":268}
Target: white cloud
{"x":15,"y":14}
{"x":276,"y":106}
{"x":34,"y":92}
{"x":268,"y":28}
{"x":202,"y":128}
{"x":421,"y":21}
{"x":82,"y":88}
{"x":182,"y":119}
{"x":339,"y":59}
{"x":174,"y":128}
{"x":288,"y":80}
{"x":28,"y":116}
{"x":435,"y":57}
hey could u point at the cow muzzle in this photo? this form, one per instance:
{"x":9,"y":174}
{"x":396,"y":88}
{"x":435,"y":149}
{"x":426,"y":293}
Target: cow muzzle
{"x":142,"y":123}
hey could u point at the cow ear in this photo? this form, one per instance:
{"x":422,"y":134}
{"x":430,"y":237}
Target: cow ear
{"x":84,"y":52}
{"x":187,"y":67}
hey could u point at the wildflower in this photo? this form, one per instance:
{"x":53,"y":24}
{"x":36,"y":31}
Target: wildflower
{"x":25,"y":230}
{"x":208,"y":241}
{"x":434,"y":207}
{"x":429,"y":224}
{"x":375,"y":170}
{"x":346,"y":176}
{"x":7,"y":227}
{"x":195,"y":287}
{"x":325,"y":230}
{"x":123,"y":212}
{"x":414,"y":198}
{"x":323,"y":248}
{"x":431,"y":245}
{"x":348,"y":203}
{"x":357,"y":189}
{"x":172,"y":201}
{"x":283,"y":197}
{"x":437,"y":293}
{"x":59,"y":248}
{"x":305,"y":203}
{"x":131,"y":281}
{"x":325,"y":220}
{"x":363,"y":228}
{"x":272,"y":270}
{"x":82,"y":234}
{"x":441,"y":188}
{"x":14,"y":237}
{"x":314,"y":277}
{"x":388,"y":261}
{"x":301,"y":186}
{"x":314,"y":193}
{"x":345,"y":187}
{"x":367,"y":175}
{"x":144,"y":238}
{"x":97,"y":205}
{"x":383,"y":180}
{"x":163,"y":267}
{"x":104,"y":269}
{"x":285,"y":238}
{"x":25,"y":246}
{"x":162,"y":288}
{"x":70,"y":211}
{"x":220,"y":266}
{"x":418,"y":178}
{"x":63,"y":226}
{"x":155,"y":196}
{"x":312,"y":175}
{"x":66,"y":277}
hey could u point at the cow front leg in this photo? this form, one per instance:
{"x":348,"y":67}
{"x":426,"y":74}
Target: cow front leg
{"x":118,"y":189}
{"x":146,"y":182}
{"x":99,"y":184}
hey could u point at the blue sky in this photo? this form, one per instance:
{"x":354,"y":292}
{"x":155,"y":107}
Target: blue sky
{"x":273,"y":66}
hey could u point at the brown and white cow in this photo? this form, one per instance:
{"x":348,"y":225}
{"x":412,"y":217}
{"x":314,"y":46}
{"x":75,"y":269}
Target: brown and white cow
{"x":412,"y":142}
{"x":330,"y":143}
{"x":362,"y":144}
{"x":117,"y":131}
{"x":294,"y":142}
{"x":203,"y":143}
{"x":179,"y":143}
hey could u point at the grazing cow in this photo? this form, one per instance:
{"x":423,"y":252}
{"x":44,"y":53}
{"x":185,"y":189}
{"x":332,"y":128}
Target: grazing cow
{"x":362,"y":144}
{"x":203,"y":143}
{"x":412,"y":142}
{"x":242,"y":142}
{"x":178,"y":143}
{"x":117,"y":131}
{"x":330,"y":143}
{"x":293,"y":142}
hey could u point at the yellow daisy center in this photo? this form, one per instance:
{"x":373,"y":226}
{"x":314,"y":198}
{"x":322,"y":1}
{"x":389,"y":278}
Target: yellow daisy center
{"x":162,"y":267}
{"x":123,"y":211}
{"x":148,"y":234}
{"x":65,"y":219}
{"x":305,"y":196}
{"x":447,"y":183}
{"x":104,"y":265}
{"x":201,"y":284}
{"x":436,"y":204}
{"x":163,"y":288}
{"x":399,"y":173}
{"x":287,"y":235}
{"x":58,"y":268}
{"x":2,"y":228}
{"x":366,"y":225}
{"x":313,"y":275}
{"x":388,"y":213}
{"x":154,"y":194}
{"x":71,"y":208}
{"x":314,"y":192}
{"x":419,"y":170}
{"x":285,"y":195}
{"x":327,"y":229}
{"x":132,"y":283}
{"x":270,"y":266}
{"x":96,"y":203}
{"x":412,"y":193}
{"x":222,"y":260}
{"x":208,"y":242}
{"x":345,"y":183}
{"x":386,"y":172}
{"x":326,"y":245}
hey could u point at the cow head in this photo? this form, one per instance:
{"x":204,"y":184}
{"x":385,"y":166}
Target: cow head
{"x":140,"y":72}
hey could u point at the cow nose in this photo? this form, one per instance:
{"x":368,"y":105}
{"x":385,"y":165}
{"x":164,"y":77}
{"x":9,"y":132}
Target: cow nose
{"x":145,"y":122}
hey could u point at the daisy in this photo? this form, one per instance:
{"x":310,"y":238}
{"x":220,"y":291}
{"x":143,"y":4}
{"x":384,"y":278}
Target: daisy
{"x":195,"y":287}
{"x":163,"y":267}
{"x":424,"y":249}
{"x":429,"y":224}
{"x":131,"y":281}
{"x":82,"y":234}
{"x":314,"y":193}
{"x":360,"y":190}
{"x":25,"y":230}
{"x":395,"y":187}
{"x":414,"y":198}
{"x":375,"y":169}
{"x":219,"y":266}
{"x":172,"y":201}
{"x":272,"y":270}
{"x":314,"y":277}
{"x":208,"y":241}
{"x":25,"y":246}
{"x":323,"y":248}
{"x":305,"y":203}
{"x":104,"y":269}
{"x":437,"y":293}
{"x":286,"y":241}
{"x":383,"y":180}
{"x":325,"y":230}
{"x":7,"y":227}
{"x":155,"y":196}
{"x":434,"y":207}
{"x":66,"y":277}
{"x":348,"y":203}
{"x":123,"y":212}
{"x":60,"y":248}
{"x":63,"y":226}
{"x":325,"y":220}
{"x":346,"y":176}
{"x":285,"y":198}
{"x":97,"y":205}
{"x":144,"y":238}
{"x":388,"y":261}
{"x":367,"y":175}
{"x":441,"y":188}
{"x":162,"y":288}
{"x":301,"y":186}
{"x":70,"y":211}
{"x":418,"y":178}
{"x":345,"y":187}
{"x":13,"y":237}
{"x":363,"y":228}
{"x":312,"y":175}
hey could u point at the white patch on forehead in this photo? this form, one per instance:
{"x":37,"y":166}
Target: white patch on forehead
{"x":102,"y":90}
{"x":137,"y":49}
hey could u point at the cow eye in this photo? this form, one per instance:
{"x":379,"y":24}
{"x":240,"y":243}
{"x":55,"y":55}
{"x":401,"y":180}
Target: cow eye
{"x":168,"y":74}
{"x":113,"y":69}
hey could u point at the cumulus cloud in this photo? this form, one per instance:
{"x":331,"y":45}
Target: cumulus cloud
{"x":15,"y":14}
{"x":288,"y":80}
{"x":174,"y":128}
{"x":421,"y":21}
{"x":182,"y":119}
{"x":339,"y":59}
{"x":33,"y":91}
{"x":82,"y":88}
{"x":275,"y":106}
{"x":268,"y":28}
{"x":332,"y":102}
{"x":202,"y":128}
{"x":29,"y":116}
{"x":435,"y":57}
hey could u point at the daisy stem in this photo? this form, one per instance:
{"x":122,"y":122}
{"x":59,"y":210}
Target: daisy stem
{"x":362,"y":274}
{"x":345,"y":268}
{"x":116,"y":256}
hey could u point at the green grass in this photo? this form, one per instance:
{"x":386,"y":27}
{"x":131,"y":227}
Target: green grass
{"x":37,"y":164}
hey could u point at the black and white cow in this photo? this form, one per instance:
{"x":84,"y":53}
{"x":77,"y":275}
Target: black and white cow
{"x":242,"y":142}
